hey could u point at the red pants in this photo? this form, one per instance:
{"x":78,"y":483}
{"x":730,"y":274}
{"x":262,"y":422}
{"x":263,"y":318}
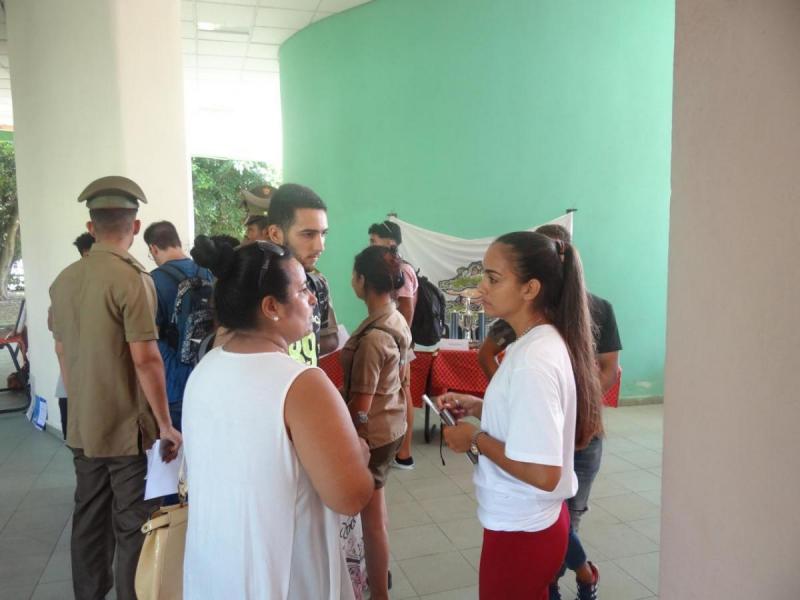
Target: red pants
{"x":518,"y":565}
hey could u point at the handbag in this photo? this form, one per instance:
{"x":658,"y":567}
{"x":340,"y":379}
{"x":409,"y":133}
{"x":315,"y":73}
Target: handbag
{"x":159,"y":574}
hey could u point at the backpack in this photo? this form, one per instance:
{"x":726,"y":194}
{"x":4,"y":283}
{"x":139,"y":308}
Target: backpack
{"x":428,"y":325}
{"x":192,"y":317}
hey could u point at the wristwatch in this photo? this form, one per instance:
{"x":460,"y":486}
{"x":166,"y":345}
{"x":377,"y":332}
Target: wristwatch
{"x":362,"y":417}
{"x":473,"y":445}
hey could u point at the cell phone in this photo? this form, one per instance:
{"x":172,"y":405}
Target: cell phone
{"x":447,"y":418}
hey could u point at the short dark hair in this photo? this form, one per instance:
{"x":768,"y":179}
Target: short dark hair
{"x":555,"y":232}
{"x":162,"y":235}
{"x":113,"y":221}
{"x":237,"y":295}
{"x":381,"y":268}
{"x":260,"y":222}
{"x":289,"y":198}
{"x":84,"y":242}
{"x":388,"y":230}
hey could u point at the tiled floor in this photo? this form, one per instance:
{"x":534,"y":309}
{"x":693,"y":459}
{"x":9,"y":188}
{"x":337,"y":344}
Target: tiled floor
{"x":435,"y":536}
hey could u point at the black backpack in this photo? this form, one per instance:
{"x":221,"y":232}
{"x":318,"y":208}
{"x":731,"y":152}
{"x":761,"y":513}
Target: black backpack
{"x":192,"y":317}
{"x":428,"y":325}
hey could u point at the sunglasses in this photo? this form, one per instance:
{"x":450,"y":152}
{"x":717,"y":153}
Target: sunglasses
{"x":268,"y":249}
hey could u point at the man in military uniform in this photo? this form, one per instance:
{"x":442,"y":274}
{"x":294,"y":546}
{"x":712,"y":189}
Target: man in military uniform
{"x":256,"y":202}
{"x":298,"y":219}
{"x":105,"y":331}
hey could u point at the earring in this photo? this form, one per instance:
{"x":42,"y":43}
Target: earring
{"x":275,"y":318}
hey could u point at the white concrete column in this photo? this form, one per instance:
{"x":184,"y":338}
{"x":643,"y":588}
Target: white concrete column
{"x":97,"y":88}
{"x":731,"y":482}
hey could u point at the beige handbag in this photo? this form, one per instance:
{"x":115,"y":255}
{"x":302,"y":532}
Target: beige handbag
{"x":159,"y":574}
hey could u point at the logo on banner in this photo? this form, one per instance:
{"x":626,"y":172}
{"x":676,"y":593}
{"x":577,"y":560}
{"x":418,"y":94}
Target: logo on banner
{"x":464,"y":284}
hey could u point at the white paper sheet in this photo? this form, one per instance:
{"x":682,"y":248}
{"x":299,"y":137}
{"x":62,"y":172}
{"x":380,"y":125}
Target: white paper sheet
{"x":162,"y":478}
{"x":452,"y":344}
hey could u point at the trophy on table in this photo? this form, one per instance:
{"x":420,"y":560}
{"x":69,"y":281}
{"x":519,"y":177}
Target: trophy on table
{"x":469,"y":318}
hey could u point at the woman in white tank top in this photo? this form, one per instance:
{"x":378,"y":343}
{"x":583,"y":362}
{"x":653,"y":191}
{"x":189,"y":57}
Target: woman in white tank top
{"x":272,"y":455}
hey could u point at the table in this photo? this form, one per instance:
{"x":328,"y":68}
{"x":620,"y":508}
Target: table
{"x":440,"y":371}
{"x":432,"y":373}
{"x":420,"y":371}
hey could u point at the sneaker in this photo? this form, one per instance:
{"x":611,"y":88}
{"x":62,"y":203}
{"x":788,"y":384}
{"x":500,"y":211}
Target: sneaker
{"x":406,"y":464}
{"x":555,"y":593}
{"x":588,"y":591}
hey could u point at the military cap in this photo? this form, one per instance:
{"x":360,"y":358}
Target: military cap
{"x":256,"y":202}
{"x":112,"y":192}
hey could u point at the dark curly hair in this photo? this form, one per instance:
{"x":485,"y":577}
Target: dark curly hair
{"x":239,"y":287}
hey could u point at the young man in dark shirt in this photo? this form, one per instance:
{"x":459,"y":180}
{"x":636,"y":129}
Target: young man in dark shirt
{"x":298,"y":219}
{"x":173,"y":266}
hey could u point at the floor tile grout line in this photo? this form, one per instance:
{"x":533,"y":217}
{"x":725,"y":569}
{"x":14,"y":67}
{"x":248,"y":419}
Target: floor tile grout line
{"x":652,"y":591}
{"x":439,"y":504}
{"x":19,"y":443}
{"x":52,"y":553}
{"x":27,"y":491}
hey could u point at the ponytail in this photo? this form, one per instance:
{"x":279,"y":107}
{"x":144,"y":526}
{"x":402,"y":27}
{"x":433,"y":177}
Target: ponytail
{"x":556,"y":264}
{"x":574,"y":321}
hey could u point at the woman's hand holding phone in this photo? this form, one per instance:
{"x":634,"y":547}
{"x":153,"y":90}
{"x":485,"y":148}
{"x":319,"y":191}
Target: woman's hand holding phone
{"x":460,"y":405}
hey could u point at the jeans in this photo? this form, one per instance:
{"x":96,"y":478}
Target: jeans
{"x":176,"y":414}
{"x":587,"y":464}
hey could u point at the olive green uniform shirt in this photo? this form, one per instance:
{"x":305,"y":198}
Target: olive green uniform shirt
{"x":100,"y":304}
{"x":374,"y":361}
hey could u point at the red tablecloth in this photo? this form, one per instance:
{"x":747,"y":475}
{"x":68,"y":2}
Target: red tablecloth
{"x":438,"y":372}
{"x":457,"y":371}
{"x":333,"y":368}
{"x":611,"y":397}
{"x":420,"y":370}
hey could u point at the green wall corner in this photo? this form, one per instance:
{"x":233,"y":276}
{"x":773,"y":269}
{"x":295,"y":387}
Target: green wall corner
{"x":475,"y":118}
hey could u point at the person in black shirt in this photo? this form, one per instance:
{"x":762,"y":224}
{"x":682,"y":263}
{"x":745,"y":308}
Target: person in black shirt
{"x":587,"y":460}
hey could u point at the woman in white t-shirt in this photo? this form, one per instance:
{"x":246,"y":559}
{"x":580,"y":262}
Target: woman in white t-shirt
{"x":271,"y":452}
{"x":528,"y":428}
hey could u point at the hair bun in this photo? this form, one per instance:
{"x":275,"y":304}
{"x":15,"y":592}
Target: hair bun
{"x":217,"y":258}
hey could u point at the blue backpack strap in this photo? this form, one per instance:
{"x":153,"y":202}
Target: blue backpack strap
{"x":174,"y":272}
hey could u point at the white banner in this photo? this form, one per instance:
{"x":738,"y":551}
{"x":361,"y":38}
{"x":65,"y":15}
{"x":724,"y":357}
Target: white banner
{"x":454,"y":264}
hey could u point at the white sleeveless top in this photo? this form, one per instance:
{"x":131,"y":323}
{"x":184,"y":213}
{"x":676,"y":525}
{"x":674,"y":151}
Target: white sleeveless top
{"x":257,"y":528}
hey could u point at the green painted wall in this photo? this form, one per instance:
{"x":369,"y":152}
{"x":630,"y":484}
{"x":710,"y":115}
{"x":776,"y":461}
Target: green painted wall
{"x":475,"y":118}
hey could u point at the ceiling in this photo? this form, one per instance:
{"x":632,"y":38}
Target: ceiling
{"x":230,"y":57}
{"x":238,"y":40}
